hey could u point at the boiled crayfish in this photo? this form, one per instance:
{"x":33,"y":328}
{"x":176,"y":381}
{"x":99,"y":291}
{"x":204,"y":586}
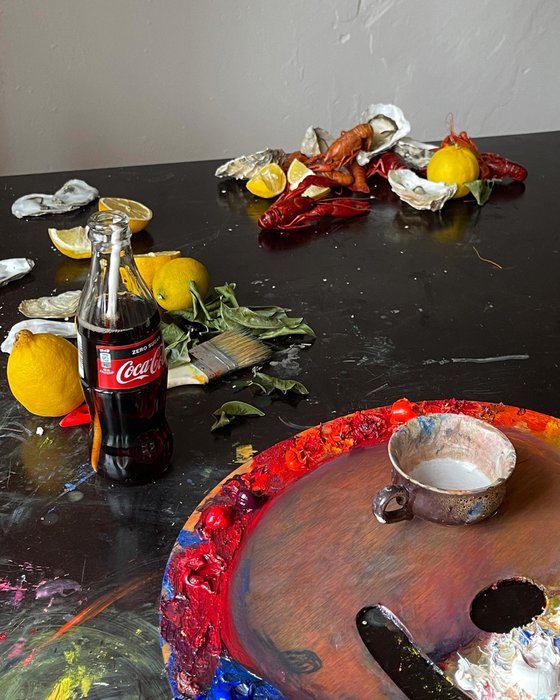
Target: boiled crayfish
{"x":294,"y":210}
{"x":492,"y":165}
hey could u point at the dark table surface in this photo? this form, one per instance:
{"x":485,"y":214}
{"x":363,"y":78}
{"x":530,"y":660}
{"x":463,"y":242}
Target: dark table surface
{"x":460,"y":303}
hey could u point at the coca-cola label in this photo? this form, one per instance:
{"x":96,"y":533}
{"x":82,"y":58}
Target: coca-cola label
{"x":130,"y":366}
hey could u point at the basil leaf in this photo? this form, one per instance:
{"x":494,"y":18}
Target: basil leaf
{"x":231,"y":410}
{"x":481,"y":189}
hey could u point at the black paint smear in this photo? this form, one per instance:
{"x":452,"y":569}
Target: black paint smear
{"x":507,"y":604}
{"x":301,"y":661}
{"x":389,"y":644}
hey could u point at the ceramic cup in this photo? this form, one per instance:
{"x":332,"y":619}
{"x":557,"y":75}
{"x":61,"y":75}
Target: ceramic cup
{"x":447,"y":468}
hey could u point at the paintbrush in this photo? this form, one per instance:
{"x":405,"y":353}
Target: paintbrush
{"x":225,"y":353}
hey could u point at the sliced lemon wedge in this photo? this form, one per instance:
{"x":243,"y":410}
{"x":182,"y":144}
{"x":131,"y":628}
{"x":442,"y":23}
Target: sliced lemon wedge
{"x":149,"y":263}
{"x":139,"y":216}
{"x":297,"y":172}
{"x":72,"y":242}
{"x":270,"y":181}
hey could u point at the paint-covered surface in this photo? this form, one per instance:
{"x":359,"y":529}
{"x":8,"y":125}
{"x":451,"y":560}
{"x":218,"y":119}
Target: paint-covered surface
{"x":278,"y":586}
{"x":402,"y":306}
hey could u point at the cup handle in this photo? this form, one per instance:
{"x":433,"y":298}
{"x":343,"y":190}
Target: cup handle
{"x":384,"y":497}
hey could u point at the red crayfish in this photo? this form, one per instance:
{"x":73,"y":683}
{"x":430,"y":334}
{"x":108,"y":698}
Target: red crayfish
{"x":294,"y":210}
{"x":384,"y":163}
{"x":492,"y":165}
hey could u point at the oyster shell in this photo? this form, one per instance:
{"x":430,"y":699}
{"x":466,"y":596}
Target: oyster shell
{"x":389,"y":126}
{"x":418,"y":192}
{"x":14,"y":268}
{"x":39,"y":325}
{"x":415,"y":154}
{"x":72,"y":195}
{"x":244,"y":167}
{"x":315,"y":141}
{"x":62,"y":306}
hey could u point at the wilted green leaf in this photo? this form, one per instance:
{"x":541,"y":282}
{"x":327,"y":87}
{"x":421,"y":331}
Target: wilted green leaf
{"x":230,"y":410}
{"x":481,"y":189}
{"x":177,"y":344}
{"x":267,"y":384}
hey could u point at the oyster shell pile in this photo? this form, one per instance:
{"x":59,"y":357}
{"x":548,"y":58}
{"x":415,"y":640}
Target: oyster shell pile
{"x":38,"y":325}
{"x":14,"y":268}
{"x":418,"y":192}
{"x":245,"y":167}
{"x":62,"y":306}
{"x":72,"y":195}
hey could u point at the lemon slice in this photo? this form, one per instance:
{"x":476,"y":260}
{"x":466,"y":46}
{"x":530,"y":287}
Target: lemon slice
{"x":297,"y":172}
{"x":149,"y":263}
{"x":72,"y":242}
{"x":269,"y":182}
{"x":139,"y":216}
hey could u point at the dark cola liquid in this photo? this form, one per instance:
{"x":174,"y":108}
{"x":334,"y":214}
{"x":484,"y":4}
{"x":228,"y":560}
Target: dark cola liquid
{"x":136,"y":441}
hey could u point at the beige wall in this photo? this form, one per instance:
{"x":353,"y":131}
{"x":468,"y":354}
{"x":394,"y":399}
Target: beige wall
{"x":97,"y":83}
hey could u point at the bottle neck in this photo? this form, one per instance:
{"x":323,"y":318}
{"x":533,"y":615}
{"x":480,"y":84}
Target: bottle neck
{"x":108,"y":232}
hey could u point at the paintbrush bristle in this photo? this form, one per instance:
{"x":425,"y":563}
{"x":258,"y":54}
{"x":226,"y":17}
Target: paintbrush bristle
{"x":229,"y":351}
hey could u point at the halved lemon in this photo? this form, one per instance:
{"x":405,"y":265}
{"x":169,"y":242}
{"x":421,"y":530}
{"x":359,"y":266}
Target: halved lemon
{"x":149,"y":263}
{"x":269,"y":182}
{"x":139,"y":216}
{"x":72,"y":242}
{"x":297,"y":172}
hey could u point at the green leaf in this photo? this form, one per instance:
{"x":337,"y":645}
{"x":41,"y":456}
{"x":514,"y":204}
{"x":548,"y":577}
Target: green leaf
{"x":267,"y":383}
{"x":481,"y":189}
{"x":230,"y":410}
{"x":177,"y":344}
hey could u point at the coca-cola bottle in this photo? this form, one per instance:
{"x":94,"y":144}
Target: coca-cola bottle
{"x":122,"y":359}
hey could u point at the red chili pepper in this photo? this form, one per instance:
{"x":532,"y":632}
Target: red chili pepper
{"x":79,"y":416}
{"x":403,"y":410}
{"x":217,"y":517}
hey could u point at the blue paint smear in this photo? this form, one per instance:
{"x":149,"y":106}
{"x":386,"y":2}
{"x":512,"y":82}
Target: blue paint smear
{"x":426,"y":424}
{"x":475,"y":509}
{"x":233,"y":682}
{"x":187,"y":538}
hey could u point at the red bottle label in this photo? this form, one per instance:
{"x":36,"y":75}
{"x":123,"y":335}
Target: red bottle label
{"x":130,"y":366}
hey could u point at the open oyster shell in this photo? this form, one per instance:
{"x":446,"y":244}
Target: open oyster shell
{"x":14,"y":268}
{"x":389,"y":126}
{"x":244,"y":167}
{"x":39,"y":325}
{"x":315,"y":141}
{"x":72,"y":195}
{"x":418,"y":192}
{"x":62,"y":306}
{"x":415,"y":154}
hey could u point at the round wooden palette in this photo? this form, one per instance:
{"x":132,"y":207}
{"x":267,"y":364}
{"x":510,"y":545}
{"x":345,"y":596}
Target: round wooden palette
{"x":272,"y":585}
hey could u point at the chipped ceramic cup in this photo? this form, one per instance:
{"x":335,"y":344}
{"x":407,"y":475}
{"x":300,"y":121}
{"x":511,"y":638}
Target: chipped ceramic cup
{"x":449,"y":468}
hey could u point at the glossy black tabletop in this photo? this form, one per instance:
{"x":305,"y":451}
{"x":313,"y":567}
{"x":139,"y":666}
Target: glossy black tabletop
{"x":460,"y":303}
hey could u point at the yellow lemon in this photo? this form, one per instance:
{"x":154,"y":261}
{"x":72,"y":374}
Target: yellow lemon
{"x":139,"y":216}
{"x":72,"y":242}
{"x":297,"y":172}
{"x":43,"y":374}
{"x":455,"y":166}
{"x":269,"y":182}
{"x":149,"y":263}
{"x":171,"y":283}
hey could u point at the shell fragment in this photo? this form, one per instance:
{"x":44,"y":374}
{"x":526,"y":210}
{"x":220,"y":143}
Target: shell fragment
{"x":62,"y":306}
{"x":39,"y":325}
{"x":389,"y":126}
{"x":245,"y":167}
{"x":72,"y":195}
{"x":415,"y":154}
{"x":418,"y":192}
{"x":315,"y":141}
{"x":14,"y":268}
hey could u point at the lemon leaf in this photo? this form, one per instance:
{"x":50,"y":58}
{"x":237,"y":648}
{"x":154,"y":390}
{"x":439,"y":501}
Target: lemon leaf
{"x":267,"y":384}
{"x":481,"y":189}
{"x":231,"y":410}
